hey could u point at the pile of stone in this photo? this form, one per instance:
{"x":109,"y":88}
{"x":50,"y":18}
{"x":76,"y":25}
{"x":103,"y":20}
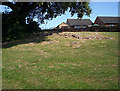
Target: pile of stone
{"x":66,"y":34}
{"x":78,"y":36}
{"x":99,"y":37}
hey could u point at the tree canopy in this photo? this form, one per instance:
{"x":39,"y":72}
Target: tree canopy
{"x":48,"y":10}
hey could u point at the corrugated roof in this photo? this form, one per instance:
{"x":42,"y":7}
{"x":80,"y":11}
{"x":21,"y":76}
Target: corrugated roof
{"x":73,"y":22}
{"x":109,"y":19}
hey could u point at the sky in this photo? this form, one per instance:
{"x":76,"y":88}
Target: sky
{"x":98,"y":9}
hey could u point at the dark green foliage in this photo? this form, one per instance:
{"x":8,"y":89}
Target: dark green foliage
{"x":13,"y":29}
{"x":33,"y":27}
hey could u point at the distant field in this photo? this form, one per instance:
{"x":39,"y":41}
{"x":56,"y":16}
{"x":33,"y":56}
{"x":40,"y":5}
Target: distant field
{"x":61,"y":62}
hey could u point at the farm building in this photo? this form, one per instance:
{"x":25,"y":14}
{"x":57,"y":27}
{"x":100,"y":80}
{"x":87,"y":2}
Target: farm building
{"x":63,"y":25}
{"x":107,"y":21}
{"x":79,"y":23}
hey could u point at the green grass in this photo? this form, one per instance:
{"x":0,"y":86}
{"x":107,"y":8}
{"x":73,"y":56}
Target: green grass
{"x":92,"y":65}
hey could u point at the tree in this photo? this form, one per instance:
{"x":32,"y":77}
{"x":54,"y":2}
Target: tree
{"x":48,"y":10}
{"x":23,"y":13}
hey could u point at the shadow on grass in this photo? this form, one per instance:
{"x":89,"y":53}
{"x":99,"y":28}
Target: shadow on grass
{"x":34,"y":38}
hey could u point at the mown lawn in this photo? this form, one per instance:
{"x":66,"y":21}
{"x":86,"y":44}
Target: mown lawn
{"x":86,"y":64}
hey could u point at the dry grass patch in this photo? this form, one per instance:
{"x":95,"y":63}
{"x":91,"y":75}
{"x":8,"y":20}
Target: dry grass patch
{"x":73,"y":44}
{"x":49,"y":42}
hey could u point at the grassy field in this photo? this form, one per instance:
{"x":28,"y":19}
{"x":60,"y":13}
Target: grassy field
{"x":59,"y":62}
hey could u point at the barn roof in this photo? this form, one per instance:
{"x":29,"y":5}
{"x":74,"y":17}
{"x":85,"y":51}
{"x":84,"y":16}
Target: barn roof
{"x":73,"y":22}
{"x":109,"y":19}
